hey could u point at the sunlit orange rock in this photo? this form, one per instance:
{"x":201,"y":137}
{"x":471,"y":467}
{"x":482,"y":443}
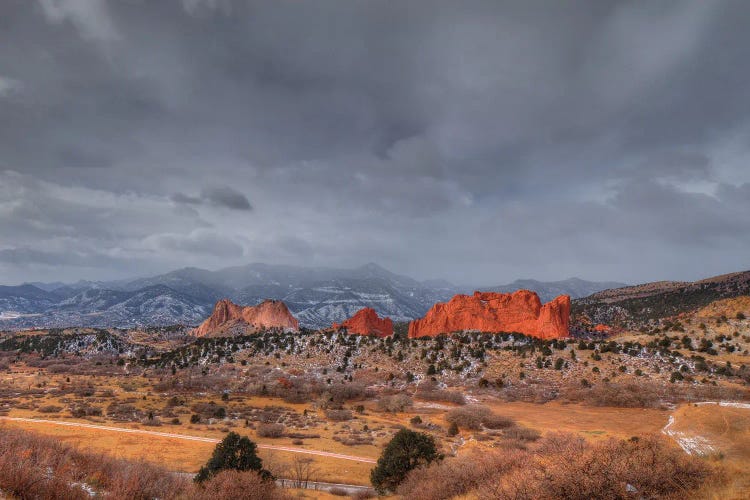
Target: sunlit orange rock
{"x":602,"y":328}
{"x":520,"y":311}
{"x":230,"y":318}
{"x":367,"y":322}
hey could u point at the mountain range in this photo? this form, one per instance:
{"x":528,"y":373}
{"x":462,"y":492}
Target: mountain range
{"x":317,"y":296}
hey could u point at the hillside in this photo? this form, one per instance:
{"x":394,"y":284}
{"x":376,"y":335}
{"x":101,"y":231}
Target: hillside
{"x":547,"y":291}
{"x":634,"y":306}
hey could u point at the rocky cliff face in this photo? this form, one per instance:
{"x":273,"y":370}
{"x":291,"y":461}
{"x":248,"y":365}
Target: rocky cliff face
{"x":367,"y":322}
{"x":520,"y":311}
{"x":230,"y":318}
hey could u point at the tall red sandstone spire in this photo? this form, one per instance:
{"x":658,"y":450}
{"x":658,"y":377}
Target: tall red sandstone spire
{"x":520,"y":311}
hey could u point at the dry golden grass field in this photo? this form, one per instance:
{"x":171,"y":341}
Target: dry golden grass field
{"x":726,"y":428}
{"x":187,"y":456}
{"x":723,"y":433}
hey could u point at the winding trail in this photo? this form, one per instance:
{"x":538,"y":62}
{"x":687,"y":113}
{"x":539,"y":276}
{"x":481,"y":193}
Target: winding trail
{"x":188,"y":437}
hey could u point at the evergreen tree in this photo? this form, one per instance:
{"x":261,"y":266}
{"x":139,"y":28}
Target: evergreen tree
{"x":234,"y":452}
{"x":408,"y":449}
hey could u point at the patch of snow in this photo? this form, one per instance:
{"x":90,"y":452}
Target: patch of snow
{"x":734,"y":404}
{"x":690,"y":444}
{"x":728,"y":404}
{"x":85,"y":487}
{"x":698,"y":444}
{"x":435,"y":406}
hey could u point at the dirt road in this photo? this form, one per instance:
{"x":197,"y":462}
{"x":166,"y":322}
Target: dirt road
{"x":188,"y":438}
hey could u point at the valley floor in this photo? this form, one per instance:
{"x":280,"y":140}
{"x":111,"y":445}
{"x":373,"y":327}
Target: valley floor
{"x":720,"y":432}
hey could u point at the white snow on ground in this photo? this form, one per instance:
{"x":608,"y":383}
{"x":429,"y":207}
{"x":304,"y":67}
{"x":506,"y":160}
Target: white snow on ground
{"x":729,"y":404}
{"x":692,"y":445}
{"x":733,"y":404}
{"x":435,"y":406}
{"x":698,"y":445}
{"x":86,"y":488}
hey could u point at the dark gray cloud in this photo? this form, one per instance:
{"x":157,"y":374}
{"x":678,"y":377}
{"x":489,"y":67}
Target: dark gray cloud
{"x":226,"y":197}
{"x":25,"y":256}
{"x":220,"y":196}
{"x":475,"y":141}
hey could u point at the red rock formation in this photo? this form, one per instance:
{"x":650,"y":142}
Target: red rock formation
{"x":367,"y":322}
{"x":229,"y":318}
{"x":602,"y":328}
{"x":520,"y":311}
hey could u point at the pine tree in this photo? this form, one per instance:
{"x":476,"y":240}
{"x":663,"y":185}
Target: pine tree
{"x":234,"y":452}
{"x":408,"y":449}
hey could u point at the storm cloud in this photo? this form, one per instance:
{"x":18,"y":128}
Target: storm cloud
{"x":476,"y":141}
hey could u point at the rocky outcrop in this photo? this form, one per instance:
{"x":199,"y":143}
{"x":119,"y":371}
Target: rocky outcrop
{"x":520,"y":311}
{"x":229,"y":318}
{"x":367,"y":322}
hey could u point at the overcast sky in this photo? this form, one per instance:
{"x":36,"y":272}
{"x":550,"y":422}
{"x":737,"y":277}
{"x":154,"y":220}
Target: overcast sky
{"x":478,"y":142}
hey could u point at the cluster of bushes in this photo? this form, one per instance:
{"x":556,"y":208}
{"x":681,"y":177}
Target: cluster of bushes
{"x":627,"y":395}
{"x":394,"y":403}
{"x":649,"y":394}
{"x":563,"y":466}
{"x":339,"y":415}
{"x":209,"y":410}
{"x":473,"y":417}
{"x":49,"y":409}
{"x":428,"y":390}
{"x":33,"y":466}
{"x":270,"y":430}
{"x":85,"y":410}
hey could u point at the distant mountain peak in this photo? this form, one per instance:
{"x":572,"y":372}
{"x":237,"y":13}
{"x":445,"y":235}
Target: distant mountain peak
{"x":373,"y":268}
{"x":316,"y":296}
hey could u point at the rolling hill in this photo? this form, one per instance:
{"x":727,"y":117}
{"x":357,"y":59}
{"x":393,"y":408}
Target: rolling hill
{"x":634,"y":305}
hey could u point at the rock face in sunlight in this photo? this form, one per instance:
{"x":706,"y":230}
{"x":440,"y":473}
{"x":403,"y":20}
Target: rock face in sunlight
{"x":367,"y":322}
{"x":229,"y":318}
{"x":520,"y":311}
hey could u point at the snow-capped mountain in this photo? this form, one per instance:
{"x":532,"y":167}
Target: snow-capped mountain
{"x":317,"y":296}
{"x":24,"y":299}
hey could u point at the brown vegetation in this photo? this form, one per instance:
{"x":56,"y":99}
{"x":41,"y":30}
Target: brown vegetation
{"x":473,"y":417}
{"x":429,"y":391}
{"x":33,"y":466}
{"x":232,"y":484}
{"x":339,"y":415}
{"x":394,"y":403}
{"x":270,"y":430}
{"x":564,"y":466}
